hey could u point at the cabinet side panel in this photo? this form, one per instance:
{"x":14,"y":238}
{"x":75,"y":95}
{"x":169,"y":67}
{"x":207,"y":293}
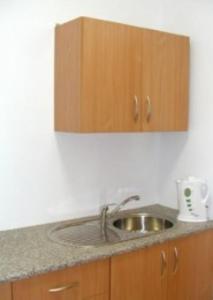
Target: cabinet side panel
{"x":5,"y":291}
{"x":67,"y":76}
{"x":210,"y":255}
{"x":181,"y":96}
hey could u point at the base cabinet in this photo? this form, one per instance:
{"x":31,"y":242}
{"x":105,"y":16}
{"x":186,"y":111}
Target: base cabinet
{"x":86,"y":282}
{"x":180,"y":269}
{"x":5,"y":291}
{"x":190,"y":275}
{"x":176,"y":270}
{"x":211,"y":262}
{"x":140,"y":275}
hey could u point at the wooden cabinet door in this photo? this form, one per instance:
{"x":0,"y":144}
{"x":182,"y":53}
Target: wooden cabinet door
{"x":140,"y":275}
{"x":165,"y":81}
{"x":111,"y":60}
{"x":98,"y":297}
{"x":210,"y":256}
{"x":190,"y":274}
{"x":5,"y":291}
{"x":89,"y":281}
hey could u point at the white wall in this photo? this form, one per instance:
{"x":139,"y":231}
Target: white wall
{"x":191,"y":153}
{"x":47,"y":176}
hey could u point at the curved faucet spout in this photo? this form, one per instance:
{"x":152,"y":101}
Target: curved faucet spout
{"x":104,"y":212}
{"x":123,"y":203}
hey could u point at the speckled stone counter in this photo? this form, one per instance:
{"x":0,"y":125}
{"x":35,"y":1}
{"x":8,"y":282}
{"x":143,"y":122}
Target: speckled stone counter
{"x":28,"y":251}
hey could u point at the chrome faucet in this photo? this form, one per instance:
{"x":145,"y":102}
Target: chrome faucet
{"x":105,"y":214}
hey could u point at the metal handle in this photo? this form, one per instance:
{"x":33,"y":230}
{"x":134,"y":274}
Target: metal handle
{"x":63,"y":288}
{"x":136,"y":108}
{"x":176,"y":256}
{"x":163,"y":263}
{"x":149,"y":109}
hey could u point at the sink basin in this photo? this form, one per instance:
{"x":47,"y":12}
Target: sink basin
{"x":127,"y":227}
{"x":144,"y":223}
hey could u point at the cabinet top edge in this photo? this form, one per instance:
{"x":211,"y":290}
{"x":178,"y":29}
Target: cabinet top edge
{"x":86,"y":18}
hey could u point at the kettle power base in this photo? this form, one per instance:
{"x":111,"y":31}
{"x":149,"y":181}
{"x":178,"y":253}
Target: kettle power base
{"x":188,"y":220}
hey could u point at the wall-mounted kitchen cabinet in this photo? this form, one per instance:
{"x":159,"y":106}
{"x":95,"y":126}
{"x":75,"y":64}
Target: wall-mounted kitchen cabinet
{"x":111,"y":77}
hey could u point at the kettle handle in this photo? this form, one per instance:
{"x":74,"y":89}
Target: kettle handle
{"x":206,"y":196}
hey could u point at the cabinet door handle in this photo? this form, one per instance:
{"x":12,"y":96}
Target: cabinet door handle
{"x":163,"y":263}
{"x":176,"y":257}
{"x":136,"y":108}
{"x":63,"y":287}
{"x":149,"y":108}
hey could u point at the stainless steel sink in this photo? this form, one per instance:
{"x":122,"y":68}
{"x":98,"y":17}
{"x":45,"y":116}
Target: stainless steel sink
{"x":144,"y":223}
{"x":126,"y":227}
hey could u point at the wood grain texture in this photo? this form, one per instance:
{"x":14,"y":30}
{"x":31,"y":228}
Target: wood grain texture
{"x":67,"y":76}
{"x":165,"y":81}
{"x":98,"y":297}
{"x":101,"y":66}
{"x":193,"y":279}
{"x":111,"y":64}
{"x":92,"y":279}
{"x":210,"y":256}
{"x":5,"y":291}
{"x":137,"y":275}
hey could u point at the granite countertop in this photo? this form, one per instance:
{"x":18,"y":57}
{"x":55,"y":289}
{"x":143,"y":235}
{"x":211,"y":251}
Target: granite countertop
{"x":27,"y":252}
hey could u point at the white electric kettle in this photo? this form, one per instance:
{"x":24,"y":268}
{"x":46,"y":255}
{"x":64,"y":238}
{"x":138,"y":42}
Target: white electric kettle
{"x":192,"y":199}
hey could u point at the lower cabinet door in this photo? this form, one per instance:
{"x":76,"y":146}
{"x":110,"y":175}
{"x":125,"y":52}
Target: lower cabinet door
{"x":190,"y":275}
{"x":5,"y":291}
{"x":86,"y":282}
{"x":140,"y":274}
{"x":211,"y":262}
{"x":98,"y":297}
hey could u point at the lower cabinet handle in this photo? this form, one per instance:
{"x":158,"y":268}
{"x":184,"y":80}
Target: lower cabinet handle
{"x":163,"y":263}
{"x":149,"y":109}
{"x":176,"y":256}
{"x":63,"y":287}
{"x":136,"y":108}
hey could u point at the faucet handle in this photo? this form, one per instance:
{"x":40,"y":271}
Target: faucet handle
{"x":106,"y":206}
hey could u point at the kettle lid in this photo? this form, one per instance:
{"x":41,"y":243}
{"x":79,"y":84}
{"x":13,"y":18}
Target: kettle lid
{"x":190,"y":179}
